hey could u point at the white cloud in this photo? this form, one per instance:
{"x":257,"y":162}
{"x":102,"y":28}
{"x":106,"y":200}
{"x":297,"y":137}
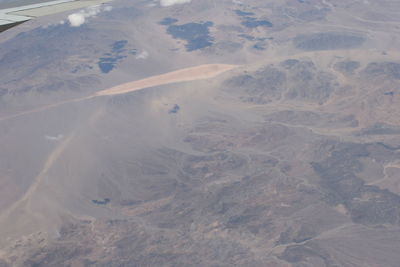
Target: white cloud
{"x":173,"y":2}
{"x":79,"y":18}
{"x":76,"y":19}
{"x":61,"y":22}
{"x":54,"y":138}
{"x":143,"y":55}
{"x":108,"y":8}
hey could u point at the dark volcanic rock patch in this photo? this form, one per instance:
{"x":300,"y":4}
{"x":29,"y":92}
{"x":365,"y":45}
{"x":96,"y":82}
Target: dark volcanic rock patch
{"x":347,"y":67}
{"x":175,"y":109}
{"x":298,"y":80}
{"x":261,"y":87}
{"x":307,"y":83}
{"x":380,"y":129}
{"x":197,"y":35}
{"x":338,"y":173}
{"x":308,"y":118}
{"x":327,"y":41}
{"x":118,"y":52}
{"x":168,"y":21}
{"x":383,"y":69}
{"x":249,"y":21}
{"x":243,"y":13}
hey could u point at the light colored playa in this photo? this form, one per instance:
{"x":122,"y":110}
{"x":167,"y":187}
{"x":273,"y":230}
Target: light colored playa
{"x":182,"y":75}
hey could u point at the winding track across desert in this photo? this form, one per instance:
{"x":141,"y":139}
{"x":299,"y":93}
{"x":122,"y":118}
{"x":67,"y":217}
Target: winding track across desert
{"x":200,"y":72}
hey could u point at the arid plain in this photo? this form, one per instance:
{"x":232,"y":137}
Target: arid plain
{"x":211,"y":133}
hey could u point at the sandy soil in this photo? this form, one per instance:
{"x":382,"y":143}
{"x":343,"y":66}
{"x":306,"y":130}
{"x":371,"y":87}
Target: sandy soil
{"x":183,"y":75}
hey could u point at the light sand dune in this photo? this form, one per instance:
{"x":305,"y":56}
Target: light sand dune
{"x":182,"y":75}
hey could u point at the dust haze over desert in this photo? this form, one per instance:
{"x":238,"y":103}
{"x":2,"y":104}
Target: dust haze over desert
{"x":202,"y":133}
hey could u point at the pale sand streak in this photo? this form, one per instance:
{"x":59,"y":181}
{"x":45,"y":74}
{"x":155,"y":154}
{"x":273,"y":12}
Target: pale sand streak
{"x":183,"y":75}
{"x":188,"y":74}
{"x":22,"y":202}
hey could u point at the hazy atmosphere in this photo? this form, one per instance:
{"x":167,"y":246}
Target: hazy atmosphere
{"x":202,"y":133}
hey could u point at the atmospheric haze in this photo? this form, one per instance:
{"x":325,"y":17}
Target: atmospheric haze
{"x":202,"y":133}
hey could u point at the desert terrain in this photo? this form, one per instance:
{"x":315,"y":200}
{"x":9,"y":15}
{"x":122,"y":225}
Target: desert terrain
{"x":209,"y":133}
